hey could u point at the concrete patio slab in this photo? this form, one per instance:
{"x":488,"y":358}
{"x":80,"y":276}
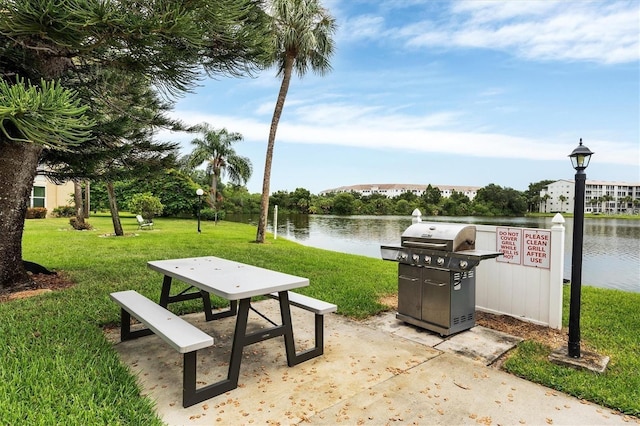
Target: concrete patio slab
{"x":369,"y":374}
{"x":480,"y":344}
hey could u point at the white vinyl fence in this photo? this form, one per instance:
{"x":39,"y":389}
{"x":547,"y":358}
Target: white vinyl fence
{"x":526,"y":282}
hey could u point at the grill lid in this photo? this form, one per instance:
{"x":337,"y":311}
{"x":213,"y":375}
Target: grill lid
{"x":440,"y":236}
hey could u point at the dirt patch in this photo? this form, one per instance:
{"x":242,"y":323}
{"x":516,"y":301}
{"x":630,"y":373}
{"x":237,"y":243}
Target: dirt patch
{"x":528,"y":331}
{"x":391,"y":301}
{"x":42,"y":283}
{"x":507,"y":324}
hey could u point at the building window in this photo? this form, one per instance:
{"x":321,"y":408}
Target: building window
{"x":37,"y":196}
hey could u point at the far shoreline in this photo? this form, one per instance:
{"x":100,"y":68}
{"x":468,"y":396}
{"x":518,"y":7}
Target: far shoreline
{"x":588,"y":215}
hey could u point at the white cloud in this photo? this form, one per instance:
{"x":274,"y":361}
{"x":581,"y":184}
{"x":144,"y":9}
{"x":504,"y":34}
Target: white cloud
{"x":604,"y":32}
{"x":362,"y":27}
{"x":371,"y":128}
{"x":491,"y":10}
{"x":335,"y":114}
{"x":265,"y":108}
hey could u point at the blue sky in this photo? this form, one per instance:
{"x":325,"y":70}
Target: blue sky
{"x":446,"y":93}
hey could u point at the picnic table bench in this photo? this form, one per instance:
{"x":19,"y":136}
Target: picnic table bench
{"x":178,"y":333}
{"x":319,"y":308}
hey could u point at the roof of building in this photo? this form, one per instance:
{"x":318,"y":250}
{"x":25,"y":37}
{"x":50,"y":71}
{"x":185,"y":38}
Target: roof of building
{"x":612,"y":183}
{"x":599,"y":182}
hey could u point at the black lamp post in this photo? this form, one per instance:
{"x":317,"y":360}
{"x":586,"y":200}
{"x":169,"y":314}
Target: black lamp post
{"x":199,"y":193}
{"x":580,"y":160}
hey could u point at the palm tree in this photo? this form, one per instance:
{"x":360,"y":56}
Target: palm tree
{"x":562,"y":199}
{"x":302,"y":38}
{"x":605,"y":201}
{"x":544,"y":199}
{"x":215,"y":148}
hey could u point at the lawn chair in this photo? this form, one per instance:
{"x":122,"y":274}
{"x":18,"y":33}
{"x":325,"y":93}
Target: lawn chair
{"x":144,"y":223}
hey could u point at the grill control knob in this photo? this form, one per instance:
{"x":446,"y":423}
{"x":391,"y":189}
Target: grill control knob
{"x":427,"y":260}
{"x":440,"y":261}
{"x":402,"y":256}
{"x":464,"y":264}
{"x":415,"y":258}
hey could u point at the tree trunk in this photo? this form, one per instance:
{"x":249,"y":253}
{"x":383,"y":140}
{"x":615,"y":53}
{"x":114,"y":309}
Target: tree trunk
{"x":214,"y":193}
{"x":113,"y":208}
{"x":266,"y":181}
{"x":18,"y":165}
{"x":213,"y":196}
{"x":87,"y":199}
{"x":77,"y":198}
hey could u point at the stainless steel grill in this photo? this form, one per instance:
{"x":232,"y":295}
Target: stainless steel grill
{"x":436,"y":275}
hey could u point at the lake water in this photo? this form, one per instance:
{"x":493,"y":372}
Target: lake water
{"x":611,"y":247}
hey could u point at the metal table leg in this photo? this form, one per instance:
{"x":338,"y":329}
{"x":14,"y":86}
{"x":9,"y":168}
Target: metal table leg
{"x":166,"y":298}
{"x":193,"y":395}
{"x":293,"y":357}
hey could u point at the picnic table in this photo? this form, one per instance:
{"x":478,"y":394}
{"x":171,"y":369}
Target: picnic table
{"x":236,"y":282}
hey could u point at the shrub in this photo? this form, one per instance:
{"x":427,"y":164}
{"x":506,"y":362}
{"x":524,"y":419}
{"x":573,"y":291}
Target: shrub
{"x":64,"y":211}
{"x":210,"y":214}
{"x":36,"y":213}
{"x":146,"y":205}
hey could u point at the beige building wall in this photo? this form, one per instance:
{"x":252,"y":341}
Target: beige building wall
{"x":54,"y":195}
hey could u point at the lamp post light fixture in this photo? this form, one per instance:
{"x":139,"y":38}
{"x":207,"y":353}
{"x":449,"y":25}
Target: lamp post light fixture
{"x":579,"y":160}
{"x":199,"y":193}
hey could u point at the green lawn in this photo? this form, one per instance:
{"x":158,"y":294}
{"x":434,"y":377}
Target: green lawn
{"x":610,"y":325}
{"x":58,"y":367}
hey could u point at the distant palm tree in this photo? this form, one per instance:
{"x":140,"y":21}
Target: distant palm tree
{"x":605,"y":201}
{"x":215,"y":148}
{"x":562,"y":199}
{"x":302,"y":37}
{"x":544,"y":199}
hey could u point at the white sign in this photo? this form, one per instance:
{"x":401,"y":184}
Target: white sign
{"x":536,"y":248}
{"x":509,"y":242}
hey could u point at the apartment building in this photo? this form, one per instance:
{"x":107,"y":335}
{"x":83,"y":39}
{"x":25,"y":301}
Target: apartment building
{"x":600,"y":197}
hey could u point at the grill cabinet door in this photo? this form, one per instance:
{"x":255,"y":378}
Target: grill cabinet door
{"x":436,"y":297}
{"x":409,"y":290}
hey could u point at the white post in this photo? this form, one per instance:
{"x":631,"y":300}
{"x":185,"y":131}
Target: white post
{"x":556,"y":272}
{"x":417,"y":216}
{"x":275,"y":222}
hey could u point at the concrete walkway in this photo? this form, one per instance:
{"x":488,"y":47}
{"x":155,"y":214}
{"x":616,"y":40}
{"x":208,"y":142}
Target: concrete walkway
{"x":376,"y":372}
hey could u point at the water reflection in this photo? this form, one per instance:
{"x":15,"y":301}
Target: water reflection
{"x":611,"y":251}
